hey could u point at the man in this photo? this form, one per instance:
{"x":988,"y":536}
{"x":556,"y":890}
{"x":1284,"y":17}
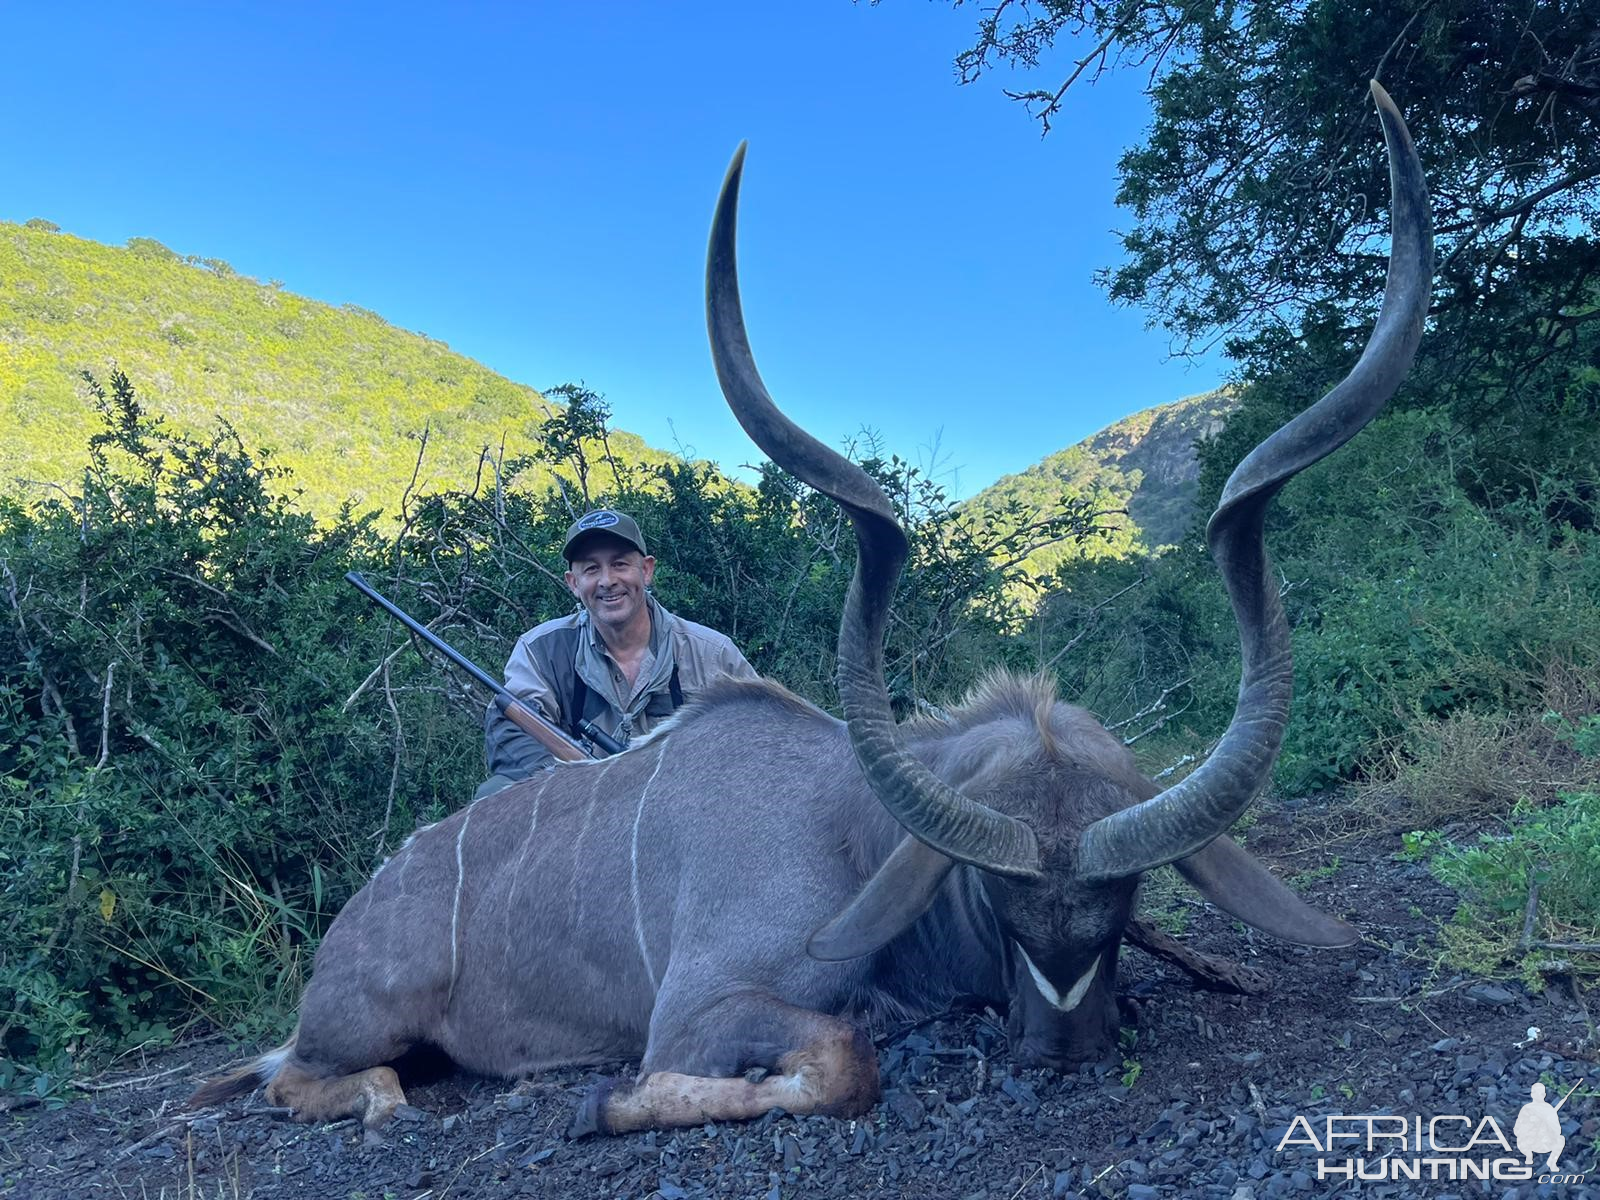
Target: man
{"x":622,"y":661}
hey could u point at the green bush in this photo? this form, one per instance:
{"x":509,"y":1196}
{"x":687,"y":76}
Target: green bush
{"x":1412,"y":603}
{"x":1558,"y":848}
{"x":176,"y":644}
{"x":1546,"y":859}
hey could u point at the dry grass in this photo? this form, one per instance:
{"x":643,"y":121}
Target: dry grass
{"x":1472,"y":767}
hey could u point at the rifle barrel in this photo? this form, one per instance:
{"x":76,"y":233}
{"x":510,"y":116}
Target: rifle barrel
{"x":520,"y":715}
{"x":426,"y":634}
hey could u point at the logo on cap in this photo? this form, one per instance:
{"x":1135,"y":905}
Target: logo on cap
{"x":601,"y":519}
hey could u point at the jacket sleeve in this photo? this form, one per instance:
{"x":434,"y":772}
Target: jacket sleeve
{"x":509,"y":751}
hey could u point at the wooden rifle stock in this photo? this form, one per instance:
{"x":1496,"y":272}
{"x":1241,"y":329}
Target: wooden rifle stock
{"x":518,"y":713}
{"x":539,"y":729}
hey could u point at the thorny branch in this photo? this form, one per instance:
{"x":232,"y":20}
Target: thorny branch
{"x":1155,"y":706}
{"x":1088,"y":624}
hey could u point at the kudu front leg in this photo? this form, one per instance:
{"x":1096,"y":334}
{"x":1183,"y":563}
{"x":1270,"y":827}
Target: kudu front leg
{"x":818,"y":1065}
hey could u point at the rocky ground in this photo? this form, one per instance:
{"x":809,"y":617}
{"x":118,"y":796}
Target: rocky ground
{"x":1208,"y":1087}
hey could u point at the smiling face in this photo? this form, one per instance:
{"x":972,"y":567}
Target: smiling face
{"x":609,"y":577}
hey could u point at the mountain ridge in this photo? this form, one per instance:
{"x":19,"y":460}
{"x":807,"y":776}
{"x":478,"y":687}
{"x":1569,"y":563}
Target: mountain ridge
{"x":1142,"y":471}
{"x":338,"y":394}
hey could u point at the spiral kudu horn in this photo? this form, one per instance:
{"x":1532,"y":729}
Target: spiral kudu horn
{"x":1190,"y":814}
{"x":929,"y":809}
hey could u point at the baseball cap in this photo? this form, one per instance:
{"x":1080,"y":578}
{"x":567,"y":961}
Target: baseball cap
{"x":603,"y":520}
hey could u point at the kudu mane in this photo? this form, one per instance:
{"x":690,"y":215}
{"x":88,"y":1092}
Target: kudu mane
{"x":726,"y":691}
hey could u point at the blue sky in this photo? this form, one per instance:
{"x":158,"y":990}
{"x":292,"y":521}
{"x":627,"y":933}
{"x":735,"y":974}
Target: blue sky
{"x":533,"y":184}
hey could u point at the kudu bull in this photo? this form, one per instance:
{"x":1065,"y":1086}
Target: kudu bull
{"x":743,"y":887}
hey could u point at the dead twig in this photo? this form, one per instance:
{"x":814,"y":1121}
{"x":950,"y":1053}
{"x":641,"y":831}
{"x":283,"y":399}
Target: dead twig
{"x":225,"y":615}
{"x":1207,"y":970}
{"x":467,"y":1162}
{"x":117,"y":1084}
{"x":1184,"y":761}
{"x":1444,"y":991}
{"x":180,"y":1124}
{"x":1257,"y":1104}
{"x":1089,"y":624}
{"x":105,"y":718}
{"x":376,"y":671}
{"x":1532,"y":908}
{"x":1032,"y":1175}
{"x":160,"y":1135}
{"x":381,"y":670}
{"x":1423,"y":1013}
{"x":1154,"y":705}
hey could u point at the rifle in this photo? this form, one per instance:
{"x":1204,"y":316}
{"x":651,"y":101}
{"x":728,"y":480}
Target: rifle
{"x":518,"y":713}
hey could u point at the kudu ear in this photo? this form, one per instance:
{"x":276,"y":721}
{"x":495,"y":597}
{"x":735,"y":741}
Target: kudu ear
{"x":1241,"y":887}
{"x":886,"y":906}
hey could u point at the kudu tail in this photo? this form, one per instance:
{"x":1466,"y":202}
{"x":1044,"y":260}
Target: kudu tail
{"x":241,"y":1080}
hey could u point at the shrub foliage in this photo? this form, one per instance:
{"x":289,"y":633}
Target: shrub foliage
{"x":208,"y":740}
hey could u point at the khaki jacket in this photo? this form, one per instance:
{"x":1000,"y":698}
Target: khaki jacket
{"x":546,"y":662}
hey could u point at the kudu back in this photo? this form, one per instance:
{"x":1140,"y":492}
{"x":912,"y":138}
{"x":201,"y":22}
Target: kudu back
{"x":756,"y":882}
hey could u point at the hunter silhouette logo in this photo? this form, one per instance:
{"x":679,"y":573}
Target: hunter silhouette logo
{"x":1392,"y":1147}
{"x":1538,"y":1127}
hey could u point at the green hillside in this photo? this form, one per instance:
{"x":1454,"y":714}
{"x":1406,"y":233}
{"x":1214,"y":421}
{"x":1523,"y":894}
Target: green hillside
{"x":1155,"y":451}
{"x":1144,"y":465}
{"x":339,"y":395}
{"x":336,"y":392}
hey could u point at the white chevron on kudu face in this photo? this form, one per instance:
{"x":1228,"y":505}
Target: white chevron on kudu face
{"x":1056,"y":1000}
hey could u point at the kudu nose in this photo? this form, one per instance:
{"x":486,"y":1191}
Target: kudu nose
{"x":1042,"y":1037}
{"x":1065,"y":1057}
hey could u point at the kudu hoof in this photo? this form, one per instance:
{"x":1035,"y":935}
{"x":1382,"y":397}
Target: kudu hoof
{"x":590,"y":1119}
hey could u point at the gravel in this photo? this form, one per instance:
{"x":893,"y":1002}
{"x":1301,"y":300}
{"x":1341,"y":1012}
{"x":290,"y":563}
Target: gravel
{"x":1207,"y":1091}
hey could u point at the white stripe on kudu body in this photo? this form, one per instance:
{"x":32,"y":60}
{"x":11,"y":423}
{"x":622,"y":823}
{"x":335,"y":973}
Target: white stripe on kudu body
{"x":598,"y":776}
{"x":638,"y":913}
{"x":527,"y":848}
{"x":455,"y":907}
